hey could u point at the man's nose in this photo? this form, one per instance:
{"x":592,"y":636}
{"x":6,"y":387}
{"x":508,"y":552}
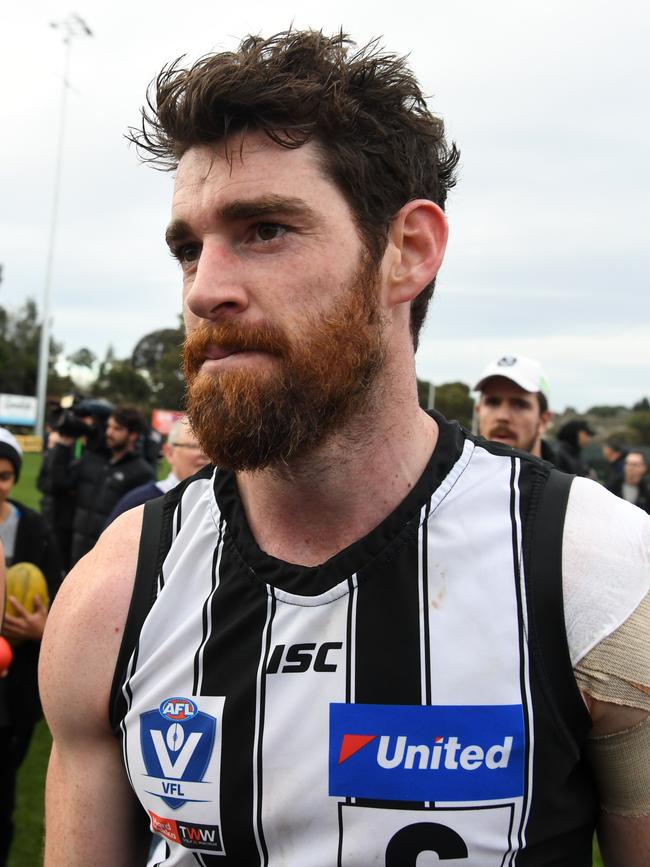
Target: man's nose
{"x":216,"y":290}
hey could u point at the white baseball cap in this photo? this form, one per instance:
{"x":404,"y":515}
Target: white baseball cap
{"x":525,"y":372}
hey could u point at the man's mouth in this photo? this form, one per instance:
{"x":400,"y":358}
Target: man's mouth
{"x":216,"y":353}
{"x":501,"y":434}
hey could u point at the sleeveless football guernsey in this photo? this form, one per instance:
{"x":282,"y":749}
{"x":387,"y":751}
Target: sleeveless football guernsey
{"x":409,"y":701}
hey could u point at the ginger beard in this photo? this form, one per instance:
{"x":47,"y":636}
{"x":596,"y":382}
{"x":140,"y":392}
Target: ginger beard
{"x":248,"y":419}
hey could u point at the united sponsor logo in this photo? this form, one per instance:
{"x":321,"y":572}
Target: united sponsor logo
{"x":204,"y":838}
{"x":426,"y":753}
{"x":177,"y":742}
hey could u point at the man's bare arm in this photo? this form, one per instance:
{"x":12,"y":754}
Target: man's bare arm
{"x":92,"y":816}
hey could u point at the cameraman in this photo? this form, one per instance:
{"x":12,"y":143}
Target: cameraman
{"x":73,"y":465}
{"x":106,"y":470}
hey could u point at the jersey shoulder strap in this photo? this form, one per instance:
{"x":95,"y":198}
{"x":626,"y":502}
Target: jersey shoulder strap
{"x":543,"y":558}
{"x":155,"y":541}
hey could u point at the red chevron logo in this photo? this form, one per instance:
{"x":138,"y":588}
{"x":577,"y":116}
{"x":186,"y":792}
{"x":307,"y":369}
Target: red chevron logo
{"x":351,"y":744}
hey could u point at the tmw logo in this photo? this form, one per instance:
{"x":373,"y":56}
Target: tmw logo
{"x":205,"y":838}
{"x":446,"y":753}
{"x":426,"y":753}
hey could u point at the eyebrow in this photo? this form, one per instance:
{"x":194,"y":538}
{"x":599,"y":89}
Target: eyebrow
{"x":265,"y":206}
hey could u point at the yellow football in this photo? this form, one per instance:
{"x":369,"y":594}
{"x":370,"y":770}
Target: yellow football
{"x":24,"y":582}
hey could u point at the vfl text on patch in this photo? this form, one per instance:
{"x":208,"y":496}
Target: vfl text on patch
{"x":177,"y":741}
{"x":426,"y":753}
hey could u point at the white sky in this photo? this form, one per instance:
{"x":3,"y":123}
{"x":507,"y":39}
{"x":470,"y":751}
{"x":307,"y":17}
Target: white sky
{"x":549,"y":252}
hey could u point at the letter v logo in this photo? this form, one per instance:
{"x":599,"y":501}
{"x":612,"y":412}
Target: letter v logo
{"x":351,"y":744}
{"x":176,"y":769}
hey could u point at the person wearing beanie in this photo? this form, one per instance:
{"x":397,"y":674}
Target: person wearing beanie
{"x":25,"y":538}
{"x":11,"y":451}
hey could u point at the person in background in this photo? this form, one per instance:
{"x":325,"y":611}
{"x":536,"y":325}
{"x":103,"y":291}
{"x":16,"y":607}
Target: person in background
{"x":633,"y":486}
{"x":614,"y":452}
{"x":75,"y":459}
{"x":101,"y":477}
{"x":513,"y":405}
{"x":572,"y":437}
{"x":184,"y":456}
{"x":25,"y":539}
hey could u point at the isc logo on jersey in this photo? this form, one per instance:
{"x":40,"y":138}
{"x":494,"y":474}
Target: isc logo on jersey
{"x":177,"y":741}
{"x":426,"y":753}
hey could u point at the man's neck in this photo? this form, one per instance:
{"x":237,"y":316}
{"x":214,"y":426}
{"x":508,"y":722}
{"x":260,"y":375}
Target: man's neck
{"x":308,"y":512}
{"x":118,"y":455}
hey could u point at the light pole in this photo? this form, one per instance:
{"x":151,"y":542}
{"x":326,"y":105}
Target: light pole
{"x":71,"y":27}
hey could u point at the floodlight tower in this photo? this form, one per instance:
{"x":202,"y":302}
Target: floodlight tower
{"x":71,"y":27}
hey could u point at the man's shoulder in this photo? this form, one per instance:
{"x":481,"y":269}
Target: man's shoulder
{"x":605,"y":563}
{"x":87,"y":621}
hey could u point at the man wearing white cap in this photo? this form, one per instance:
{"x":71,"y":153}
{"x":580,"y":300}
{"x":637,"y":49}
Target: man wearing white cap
{"x":513,"y":407}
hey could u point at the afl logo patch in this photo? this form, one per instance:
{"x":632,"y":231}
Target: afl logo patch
{"x":178,"y":709}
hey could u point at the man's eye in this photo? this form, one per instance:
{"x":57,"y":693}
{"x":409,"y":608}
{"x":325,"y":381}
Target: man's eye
{"x":187,"y":253}
{"x":269,"y":231}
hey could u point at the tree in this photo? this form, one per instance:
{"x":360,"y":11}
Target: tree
{"x":453,"y":400}
{"x":20,"y":335}
{"x":639,"y":422}
{"x":157,"y":356}
{"x":120,"y":382}
{"x":642,"y":405}
{"x":82,"y":358}
{"x":604,"y":411}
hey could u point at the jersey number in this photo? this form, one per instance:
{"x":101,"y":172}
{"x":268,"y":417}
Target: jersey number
{"x":409,"y":842}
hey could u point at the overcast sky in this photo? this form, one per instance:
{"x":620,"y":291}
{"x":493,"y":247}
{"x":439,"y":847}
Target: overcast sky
{"x":549,"y":249}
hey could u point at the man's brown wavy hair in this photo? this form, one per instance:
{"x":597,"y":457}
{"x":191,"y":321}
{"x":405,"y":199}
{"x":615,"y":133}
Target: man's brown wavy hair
{"x":363,"y":107}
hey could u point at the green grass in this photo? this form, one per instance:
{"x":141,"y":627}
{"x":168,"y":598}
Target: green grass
{"x":25,"y":490}
{"x":27,"y":847}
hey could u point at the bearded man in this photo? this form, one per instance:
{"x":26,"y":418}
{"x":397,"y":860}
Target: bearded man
{"x":363,"y":636}
{"x":513,"y":404}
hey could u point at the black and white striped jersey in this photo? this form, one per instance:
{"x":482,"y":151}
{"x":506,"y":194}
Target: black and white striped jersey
{"x":411,"y":695}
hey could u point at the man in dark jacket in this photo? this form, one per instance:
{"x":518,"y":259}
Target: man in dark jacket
{"x":572,"y":437}
{"x":633,"y":486}
{"x":101,"y":476}
{"x":615,"y":453}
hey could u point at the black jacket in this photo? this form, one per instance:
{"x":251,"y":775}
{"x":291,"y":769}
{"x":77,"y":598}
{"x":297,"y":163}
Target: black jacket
{"x":34,"y":544}
{"x":101,"y":485}
{"x":569,"y":459}
{"x":96,"y":483}
{"x":643,"y":498}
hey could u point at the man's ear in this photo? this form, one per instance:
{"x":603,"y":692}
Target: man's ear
{"x":545,"y":420}
{"x":418,"y":237}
